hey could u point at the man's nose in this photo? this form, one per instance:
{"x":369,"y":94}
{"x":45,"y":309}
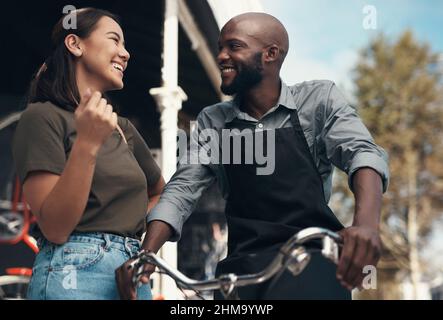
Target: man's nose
{"x":222,"y":56}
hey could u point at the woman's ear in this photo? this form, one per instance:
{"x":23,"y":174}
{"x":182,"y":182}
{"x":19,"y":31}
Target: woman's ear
{"x":72,"y":43}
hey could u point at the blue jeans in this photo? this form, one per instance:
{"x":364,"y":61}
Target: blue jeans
{"x":82,"y":268}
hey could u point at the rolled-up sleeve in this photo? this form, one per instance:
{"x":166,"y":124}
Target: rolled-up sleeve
{"x":349,"y":145}
{"x":182,"y":192}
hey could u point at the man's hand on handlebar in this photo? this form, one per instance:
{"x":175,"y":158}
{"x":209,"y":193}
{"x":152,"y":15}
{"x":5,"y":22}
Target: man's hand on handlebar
{"x":158,"y":232}
{"x":124,"y":275}
{"x":362,"y":247}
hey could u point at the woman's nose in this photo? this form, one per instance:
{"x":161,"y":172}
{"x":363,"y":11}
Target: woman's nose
{"x":125,"y":54}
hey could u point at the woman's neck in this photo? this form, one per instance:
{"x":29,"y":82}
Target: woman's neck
{"x":85,"y":81}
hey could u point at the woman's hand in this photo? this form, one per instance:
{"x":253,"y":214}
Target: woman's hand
{"x":94,"y":120}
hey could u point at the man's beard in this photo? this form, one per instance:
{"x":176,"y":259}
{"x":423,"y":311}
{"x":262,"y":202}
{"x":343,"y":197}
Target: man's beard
{"x":246,"y":78}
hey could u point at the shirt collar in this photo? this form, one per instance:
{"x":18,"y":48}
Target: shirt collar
{"x":286,"y":99}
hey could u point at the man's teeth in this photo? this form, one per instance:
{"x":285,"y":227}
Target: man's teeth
{"x":118,"y":67}
{"x":226,"y":70}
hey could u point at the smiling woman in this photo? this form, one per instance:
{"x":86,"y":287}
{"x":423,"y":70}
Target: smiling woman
{"x":103,"y":57}
{"x":86,"y":55}
{"x":85,"y":171}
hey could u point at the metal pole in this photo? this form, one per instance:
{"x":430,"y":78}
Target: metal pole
{"x":169,"y":99}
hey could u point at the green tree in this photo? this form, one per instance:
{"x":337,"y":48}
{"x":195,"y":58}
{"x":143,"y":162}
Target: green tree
{"x":399,"y":97}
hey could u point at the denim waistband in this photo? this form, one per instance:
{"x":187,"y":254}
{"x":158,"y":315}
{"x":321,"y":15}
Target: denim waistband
{"x":128,"y":244}
{"x":85,"y":237}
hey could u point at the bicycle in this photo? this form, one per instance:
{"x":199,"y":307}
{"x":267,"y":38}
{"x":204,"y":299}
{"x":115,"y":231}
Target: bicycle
{"x":294,"y":255}
{"x":14,"y":228}
{"x":15,"y":222}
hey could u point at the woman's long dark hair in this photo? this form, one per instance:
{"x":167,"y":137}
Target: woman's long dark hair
{"x":55,"y":81}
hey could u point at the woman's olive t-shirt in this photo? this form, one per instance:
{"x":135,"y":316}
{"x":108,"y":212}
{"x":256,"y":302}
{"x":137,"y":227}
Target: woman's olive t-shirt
{"x":123,"y":173}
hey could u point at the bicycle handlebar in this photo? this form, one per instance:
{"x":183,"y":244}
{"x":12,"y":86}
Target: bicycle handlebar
{"x":292,"y":255}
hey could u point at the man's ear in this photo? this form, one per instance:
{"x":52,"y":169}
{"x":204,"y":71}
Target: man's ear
{"x":272,"y":53}
{"x":72,"y":43}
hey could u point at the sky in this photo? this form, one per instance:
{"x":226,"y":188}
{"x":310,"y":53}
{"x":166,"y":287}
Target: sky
{"x":326,"y":36}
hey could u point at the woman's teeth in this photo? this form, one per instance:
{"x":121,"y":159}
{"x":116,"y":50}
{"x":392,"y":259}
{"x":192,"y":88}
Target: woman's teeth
{"x":118,"y":67}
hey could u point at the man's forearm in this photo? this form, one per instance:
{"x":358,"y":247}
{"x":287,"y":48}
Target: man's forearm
{"x":367,"y":185}
{"x":158,"y":232}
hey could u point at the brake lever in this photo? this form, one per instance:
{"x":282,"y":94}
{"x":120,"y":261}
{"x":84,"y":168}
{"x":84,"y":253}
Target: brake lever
{"x":228,"y":286}
{"x":330,"y":249}
{"x":138,"y":267}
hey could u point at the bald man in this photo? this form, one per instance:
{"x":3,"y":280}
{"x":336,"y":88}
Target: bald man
{"x":313,"y":129}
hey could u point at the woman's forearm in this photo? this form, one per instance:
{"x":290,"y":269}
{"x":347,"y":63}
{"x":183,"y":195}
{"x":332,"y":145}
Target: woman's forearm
{"x":63,"y":208}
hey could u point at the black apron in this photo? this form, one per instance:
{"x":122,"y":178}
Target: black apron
{"x":264,"y":211}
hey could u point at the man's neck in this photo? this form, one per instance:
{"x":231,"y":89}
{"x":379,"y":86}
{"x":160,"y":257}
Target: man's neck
{"x":257,"y":101}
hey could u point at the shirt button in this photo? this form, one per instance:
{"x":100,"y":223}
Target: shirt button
{"x":260,"y":125}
